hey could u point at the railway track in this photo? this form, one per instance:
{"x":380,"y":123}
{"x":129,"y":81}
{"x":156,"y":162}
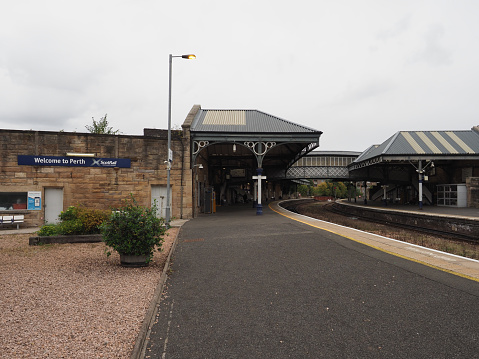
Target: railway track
{"x":340,"y":211}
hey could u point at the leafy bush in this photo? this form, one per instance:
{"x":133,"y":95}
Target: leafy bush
{"x":70,"y":214}
{"x":133,"y":229}
{"x":48,"y":230}
{"x":71,"y":227}
{"x":76,"y":221}
{"x":92,"y":219}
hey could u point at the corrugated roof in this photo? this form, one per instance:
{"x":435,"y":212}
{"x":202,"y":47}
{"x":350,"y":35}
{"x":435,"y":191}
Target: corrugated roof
{"x":244,"y":121}
{"x":368,"y":153}
{"x":335,"y":153}
{"x":426,"y":143}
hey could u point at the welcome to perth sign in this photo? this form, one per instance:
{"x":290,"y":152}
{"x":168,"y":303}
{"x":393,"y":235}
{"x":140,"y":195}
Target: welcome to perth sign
{"x":73,"y":161}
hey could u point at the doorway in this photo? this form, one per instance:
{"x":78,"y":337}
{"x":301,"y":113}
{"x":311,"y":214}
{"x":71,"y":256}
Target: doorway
{"x":158,"y":194}
{"x":53,"y":204}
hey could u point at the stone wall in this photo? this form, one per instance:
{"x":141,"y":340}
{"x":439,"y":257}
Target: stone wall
{"x":472,"y":184}
{"x":97,"y":187}
{"x":468,"y":227}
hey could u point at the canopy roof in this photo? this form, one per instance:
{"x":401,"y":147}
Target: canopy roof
{"x":245,"y":121}
{"x":415,"y":145}
{"x":274,"y":141}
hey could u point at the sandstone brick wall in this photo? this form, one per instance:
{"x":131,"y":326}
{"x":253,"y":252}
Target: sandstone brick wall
{"x":472,"y":184}
{"x":92,"y":186}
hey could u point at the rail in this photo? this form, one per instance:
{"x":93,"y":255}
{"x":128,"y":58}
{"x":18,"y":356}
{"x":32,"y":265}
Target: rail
{"x":449,"y":227}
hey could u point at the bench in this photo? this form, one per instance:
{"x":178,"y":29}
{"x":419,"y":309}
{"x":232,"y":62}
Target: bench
{"x":12,"y":219}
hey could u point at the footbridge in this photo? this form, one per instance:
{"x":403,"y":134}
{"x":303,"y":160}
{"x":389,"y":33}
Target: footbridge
{"x":319,"y":165}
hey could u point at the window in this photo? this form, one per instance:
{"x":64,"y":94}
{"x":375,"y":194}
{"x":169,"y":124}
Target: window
{"x":452,"y":195}
{"x":10,"y":201}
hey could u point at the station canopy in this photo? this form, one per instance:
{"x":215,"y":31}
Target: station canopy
{"x":249,"y":139}
{"x":408,"y":147}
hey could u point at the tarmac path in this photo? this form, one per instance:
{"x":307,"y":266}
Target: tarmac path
{"x":247,"y":286}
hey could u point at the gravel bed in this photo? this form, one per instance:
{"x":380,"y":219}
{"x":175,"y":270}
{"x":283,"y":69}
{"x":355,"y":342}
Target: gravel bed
{"x":71,"y":300}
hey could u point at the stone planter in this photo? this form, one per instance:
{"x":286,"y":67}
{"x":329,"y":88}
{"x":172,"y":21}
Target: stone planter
{"x":134,"y":261}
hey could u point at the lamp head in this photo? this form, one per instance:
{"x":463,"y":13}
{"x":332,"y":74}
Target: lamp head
{"x":189,"y":57}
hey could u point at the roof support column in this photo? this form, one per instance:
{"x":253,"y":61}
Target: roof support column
{"x":365,"y":192}
{"x":385,"y":195}
{"x":259,"y":177}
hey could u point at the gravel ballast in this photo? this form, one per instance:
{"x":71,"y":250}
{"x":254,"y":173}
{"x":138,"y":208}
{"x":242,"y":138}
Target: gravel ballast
{"x":71,"y":300}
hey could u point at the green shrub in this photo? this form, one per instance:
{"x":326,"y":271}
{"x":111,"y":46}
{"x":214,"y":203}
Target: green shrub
{"x":71,"y":227}
{"x":92,"y":219}
{"x":76,"y":221}
{"x":134,"y":229}
{"x":48,"y":230}
{"x":70,"y":214}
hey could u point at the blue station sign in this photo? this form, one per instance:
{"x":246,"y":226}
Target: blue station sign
{"x":73,"y":161}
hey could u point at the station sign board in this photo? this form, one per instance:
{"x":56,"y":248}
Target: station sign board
{"x":65,"y":161}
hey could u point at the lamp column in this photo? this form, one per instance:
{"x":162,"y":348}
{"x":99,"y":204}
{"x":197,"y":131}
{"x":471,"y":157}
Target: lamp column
{"x":170,"y":152}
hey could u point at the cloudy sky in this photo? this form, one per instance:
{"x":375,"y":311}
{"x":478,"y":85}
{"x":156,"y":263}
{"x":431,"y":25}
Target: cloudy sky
{"x":358,"y":70}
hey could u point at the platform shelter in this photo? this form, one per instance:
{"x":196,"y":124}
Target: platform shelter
{"x":430,"y":167}
{"x":233,"y":153}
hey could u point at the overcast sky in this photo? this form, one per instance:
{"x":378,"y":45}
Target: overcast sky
{"x":358,"y":70}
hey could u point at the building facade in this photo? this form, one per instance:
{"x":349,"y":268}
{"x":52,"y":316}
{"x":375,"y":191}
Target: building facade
{"x":222,"y":157}
{"x":43,"y":173}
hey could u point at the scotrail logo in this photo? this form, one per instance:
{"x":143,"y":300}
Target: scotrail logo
{"x":104,"y":163}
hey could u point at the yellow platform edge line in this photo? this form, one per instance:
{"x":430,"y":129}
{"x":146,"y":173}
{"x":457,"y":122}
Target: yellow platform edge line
{"x":379,"y":248}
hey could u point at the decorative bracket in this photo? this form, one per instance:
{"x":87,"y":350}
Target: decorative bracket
{"x":198,"y":145}
{"x":259,"y":148}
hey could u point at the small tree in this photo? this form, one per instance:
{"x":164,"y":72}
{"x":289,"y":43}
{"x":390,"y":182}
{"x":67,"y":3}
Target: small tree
{"x":101,"y":127}
{"x":324,"y":189}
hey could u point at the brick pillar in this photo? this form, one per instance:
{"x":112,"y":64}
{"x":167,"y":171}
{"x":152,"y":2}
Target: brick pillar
{"x":472,"y":185}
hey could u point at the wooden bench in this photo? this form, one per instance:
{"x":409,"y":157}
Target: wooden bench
{"x":12,"y":219}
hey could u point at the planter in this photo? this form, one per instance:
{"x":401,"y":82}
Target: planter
{"x":133,"y":229}
{"x":84,"y":238}
{"x":133,"y":261}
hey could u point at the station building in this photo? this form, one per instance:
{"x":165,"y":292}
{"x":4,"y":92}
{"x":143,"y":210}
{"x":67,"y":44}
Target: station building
{"x":224,"y":157}
{"x":43,"y":173}
{"x":215,"y":156}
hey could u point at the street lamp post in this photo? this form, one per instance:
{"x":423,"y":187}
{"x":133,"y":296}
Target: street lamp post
{"x":170,"y":153}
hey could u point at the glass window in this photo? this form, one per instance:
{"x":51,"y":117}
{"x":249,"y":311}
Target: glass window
{"x":13,"y":200}
{"x":447,"y":195}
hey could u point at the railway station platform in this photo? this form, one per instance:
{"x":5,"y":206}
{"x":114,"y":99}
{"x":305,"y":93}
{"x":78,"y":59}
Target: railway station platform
{"x":457,"y":223}
{"x":286,"y":285}
{"x":461,"y":266}
{"x":467,"y":212}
